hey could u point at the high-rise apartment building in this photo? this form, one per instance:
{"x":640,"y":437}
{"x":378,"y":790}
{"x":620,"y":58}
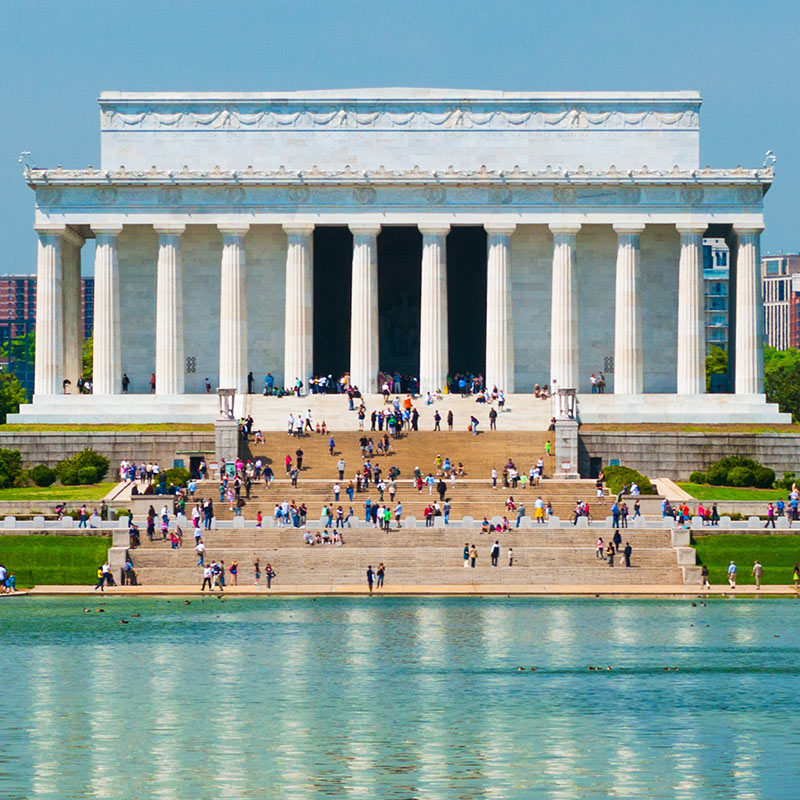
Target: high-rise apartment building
{"x":18,"y":318}
{"x":780,"y":278}
{"x":716,"y":275}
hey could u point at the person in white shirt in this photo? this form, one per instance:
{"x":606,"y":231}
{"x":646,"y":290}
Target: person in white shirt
{"x":201,"y":553}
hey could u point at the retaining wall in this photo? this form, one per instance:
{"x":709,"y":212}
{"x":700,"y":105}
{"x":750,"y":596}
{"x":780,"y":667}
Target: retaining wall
{"x":50,"y":447}
{"x":675,"y":455}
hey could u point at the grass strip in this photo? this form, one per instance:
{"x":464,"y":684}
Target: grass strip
{"x":777,"y":554}
{"x":53,"y":559}
{"x":705,"y":492}
{"x":75,"y":494}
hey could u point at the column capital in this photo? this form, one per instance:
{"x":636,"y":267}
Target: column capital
{"x":566,"y":228}
{"x":434,"y":228}
{"x":298,"y":228}
{"x":628,"y":228}
{"x":500,"y":228}
{"x":51,"y":228}
{"x":748,"y":227}
{"x":233,"y":228}
{"x":691,"y":228}
{"x":365,"y":228}
{"x":169,"y":228}
{"x":73,"y":237}
{"x":107,"y":228}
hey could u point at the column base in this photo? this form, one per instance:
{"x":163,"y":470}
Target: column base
{"x":566,"y":446}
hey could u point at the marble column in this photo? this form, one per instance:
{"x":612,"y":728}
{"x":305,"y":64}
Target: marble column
{"x":71,"y":245}
{"x":364,"y":351}
{"x":691,"y":311}
{"x":107,"y":349}
{"x":564,"y":309}
{"x":298,"y":337}
{"x":749,"y":352}
{"x":628,"y":364}
{"x":233,"y":309}
{"x":49,"y":366}
{"x":433,"y":351}
{"x":499,"y":333}
{"x":169,"y":311}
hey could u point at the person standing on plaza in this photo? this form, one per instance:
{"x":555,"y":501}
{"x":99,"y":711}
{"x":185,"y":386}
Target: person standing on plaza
{"x":627,"y":553}
{"x":617,"y":539}
{"x":437,"y":420}
{"x":758,"y":571}
{"x":269,"y":574}
{"x":340,"y":467}
{"x":450,"y":420}
{"x":610,"y":554}
{"x":732,"y":575}
{"x":370,"y":578}
{"x":466,"y":555}
{"x":153,"y":383}
{"x":493,"y":419}
{"x":494,"y":478}
{"x":380,"y":576}
{"x":770,"y":516}
{"x":473,"y":556}
{"x":207,"y":573}
{"x":510,"y":557}
{"x":256,"y":571}
{"x":495,"y":552}
{"x":704,"y":576}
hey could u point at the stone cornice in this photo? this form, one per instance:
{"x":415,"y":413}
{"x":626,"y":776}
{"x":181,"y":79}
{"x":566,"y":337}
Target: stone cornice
{"x":36,"y":178}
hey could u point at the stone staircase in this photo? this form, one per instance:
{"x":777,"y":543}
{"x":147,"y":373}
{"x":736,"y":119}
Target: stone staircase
{"x":472,"y":495}
{"x":417,"y":557}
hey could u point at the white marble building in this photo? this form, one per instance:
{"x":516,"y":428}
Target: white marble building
{"x":205,"y":209}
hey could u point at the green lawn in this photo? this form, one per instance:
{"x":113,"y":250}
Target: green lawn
{"x":91,"y":492}
{"x":53,"y":559}
{"x":705,"y":492}
{"x":777,"y":554}
{"x":79,"y":426}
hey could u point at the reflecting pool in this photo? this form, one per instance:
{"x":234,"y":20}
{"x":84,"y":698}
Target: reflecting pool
{"x":399,"y":698}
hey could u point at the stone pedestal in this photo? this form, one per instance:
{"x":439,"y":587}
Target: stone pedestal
{"x":566,"y":449}
{"x":299,"y":322}
{"x":564,"y":309}
{"x":107,"y":357}
{"x":364,"y":350}
{"x":433,"y":352}
{"x":233,"y":310}
{"x":628,"y":365}
{"x":499,"y":339}
{"x":691,"y":312}
{"x":226,"y":440}
{"x":749,"y":351}
{"x":169,"y":311}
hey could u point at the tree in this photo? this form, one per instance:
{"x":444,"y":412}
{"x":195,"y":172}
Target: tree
{"x":12,"y":393}
{"x":782,"y":379}
{"x":21,"y":348}
{"x":87,"y":357}
{"x":716,"y":363}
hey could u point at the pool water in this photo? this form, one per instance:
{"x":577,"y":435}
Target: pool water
{"x":399,"y":698}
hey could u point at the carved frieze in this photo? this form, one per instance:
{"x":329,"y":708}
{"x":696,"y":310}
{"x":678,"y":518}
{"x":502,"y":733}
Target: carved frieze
{"x":398,"y":117}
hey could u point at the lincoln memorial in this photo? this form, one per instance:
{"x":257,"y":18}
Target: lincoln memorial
{"x":534,"y":238}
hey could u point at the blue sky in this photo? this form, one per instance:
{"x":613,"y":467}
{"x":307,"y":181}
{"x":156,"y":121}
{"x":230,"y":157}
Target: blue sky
{"x":58,"y":56}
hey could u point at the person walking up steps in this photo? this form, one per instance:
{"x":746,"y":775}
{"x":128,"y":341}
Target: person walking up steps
{"x":495,"y":553}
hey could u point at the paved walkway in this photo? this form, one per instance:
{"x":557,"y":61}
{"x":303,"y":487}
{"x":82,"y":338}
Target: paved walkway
{"x":455,"y":589}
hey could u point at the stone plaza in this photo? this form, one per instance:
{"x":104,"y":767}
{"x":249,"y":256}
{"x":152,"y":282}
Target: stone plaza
{"x":533,"y":238}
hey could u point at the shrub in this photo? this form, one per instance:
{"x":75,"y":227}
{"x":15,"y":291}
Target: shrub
{"x":70,"y":467}
{"x":43,"y":475}
{"x":764,"y":477}
{"x":10,"y":467}
{"x":697,"y":477}
{"x":741,"y":476}
{"x":122,"y":513}
{"x":87,"y":475}
{"x":786,"y":481}
{"x":740,"y":471}
{"x":177,"y":475}
{"x":617,"y":476}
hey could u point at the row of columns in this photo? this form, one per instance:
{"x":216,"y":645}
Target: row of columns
{"x":58,"y":351}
